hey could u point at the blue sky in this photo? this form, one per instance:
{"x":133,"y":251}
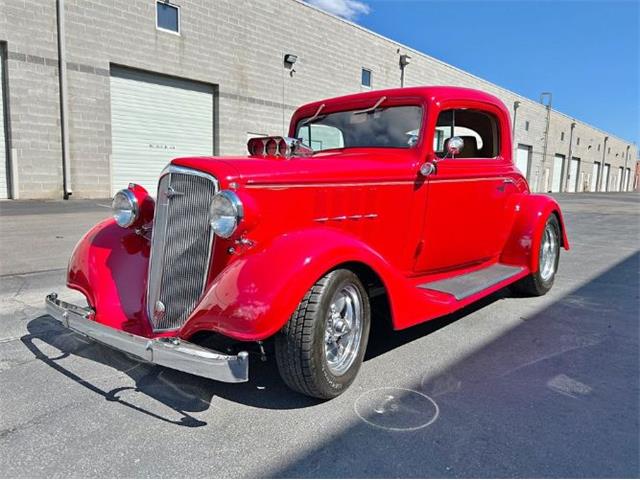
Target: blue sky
{"x":585,"y":52}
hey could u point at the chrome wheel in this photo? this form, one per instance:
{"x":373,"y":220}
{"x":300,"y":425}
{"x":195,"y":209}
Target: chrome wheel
{"x":548,"y":252}
{"x":343,"y":330}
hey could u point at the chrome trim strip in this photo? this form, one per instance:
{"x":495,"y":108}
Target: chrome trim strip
{"x":167,"y":352}
{"x":333,"y":184}
{"x":340,"y":218}
{"x":434,"y":179}
{"x":171,"y":168}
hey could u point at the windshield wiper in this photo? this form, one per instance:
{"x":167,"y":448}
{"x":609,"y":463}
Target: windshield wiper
{"x":370,"y":109}
{"x":311,"y":119}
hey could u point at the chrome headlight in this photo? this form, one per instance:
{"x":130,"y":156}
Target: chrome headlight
{"x":226,"y":212}
{"x":125,"y":208}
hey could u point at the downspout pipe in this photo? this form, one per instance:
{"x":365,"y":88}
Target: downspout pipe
{"x":568,"y":168}
{"x":604,"y":159}
{"x":516,"y":104}
{"x":625,"y":181}
{"x":541,"y":186}
{"x":64,"y":102}
{"x":514,"y":145}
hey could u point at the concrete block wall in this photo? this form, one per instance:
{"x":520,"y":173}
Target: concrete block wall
{"x":28,"y":28}
{"x":237,"y":45}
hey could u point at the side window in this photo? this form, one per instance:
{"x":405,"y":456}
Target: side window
{"x":478,"y":129}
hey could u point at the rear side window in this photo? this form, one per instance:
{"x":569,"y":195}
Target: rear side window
{"x":478,"y":129}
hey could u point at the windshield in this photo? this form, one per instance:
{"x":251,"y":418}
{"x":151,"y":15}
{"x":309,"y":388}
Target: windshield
{"x":387,"y":127}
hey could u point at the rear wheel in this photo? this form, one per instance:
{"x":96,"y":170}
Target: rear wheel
{"x":320,"y":349}
{"x":541,"y":281}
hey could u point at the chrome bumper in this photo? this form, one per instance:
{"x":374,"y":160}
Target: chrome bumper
{"x":168,"y":352}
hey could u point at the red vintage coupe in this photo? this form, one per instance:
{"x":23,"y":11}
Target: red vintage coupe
{"x":407,"y":194}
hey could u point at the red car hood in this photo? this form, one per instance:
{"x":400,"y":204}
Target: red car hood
{"x":337,"y":166}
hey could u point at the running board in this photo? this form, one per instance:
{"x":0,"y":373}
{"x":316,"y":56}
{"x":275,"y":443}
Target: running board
{"x":463,"y":286}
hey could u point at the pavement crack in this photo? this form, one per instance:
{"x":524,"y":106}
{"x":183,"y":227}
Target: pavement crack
{"x":38,"y":419}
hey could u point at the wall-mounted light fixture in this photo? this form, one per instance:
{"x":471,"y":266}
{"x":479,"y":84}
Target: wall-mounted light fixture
{"x":516,"y":105}
{"x":290,"y":58}
{"x":404,"y":61}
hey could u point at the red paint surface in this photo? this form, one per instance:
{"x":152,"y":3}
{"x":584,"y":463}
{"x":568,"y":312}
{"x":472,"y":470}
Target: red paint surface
{"x":305,"y":216}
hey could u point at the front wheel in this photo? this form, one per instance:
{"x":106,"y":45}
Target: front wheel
{"x":320,"y":349}
{"x":541,"y":281}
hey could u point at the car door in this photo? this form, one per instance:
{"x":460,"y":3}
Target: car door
{"x":466,"y":210}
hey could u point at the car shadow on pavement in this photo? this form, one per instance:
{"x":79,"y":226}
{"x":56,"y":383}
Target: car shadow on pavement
{"x":383,"y":338}
{"x":182,"y":393}
{"x":187,"y":395}
{"x":553,"y":396}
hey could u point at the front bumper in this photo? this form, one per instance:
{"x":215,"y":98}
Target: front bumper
{"x":168,"y":352}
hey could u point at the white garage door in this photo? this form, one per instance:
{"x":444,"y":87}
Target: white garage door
{"x":523,"y":156}
{"x":556,"y":181}
{"x":153,"y":120}
{"x":595,"y":173}
{"x":627,"y":175}
{"x":619,"y":186}
{"x":604,"y":185}
{"x":3,"y":143}
{"x":572,"y":181}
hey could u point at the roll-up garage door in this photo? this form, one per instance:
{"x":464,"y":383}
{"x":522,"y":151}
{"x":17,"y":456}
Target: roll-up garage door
{"x":3,"y":143}
{"x":619,"y":185}
{"x":595,"y":175}
{"x":523,"y":158}
{"x":604,"y":186}
{"x":558,"y":167}
{"x":574,"y":168}
{"x":153,"y":120}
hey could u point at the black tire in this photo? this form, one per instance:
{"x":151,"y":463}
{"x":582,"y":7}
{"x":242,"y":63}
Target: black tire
{"x":534,"y":285}
{"x":300,"y":345}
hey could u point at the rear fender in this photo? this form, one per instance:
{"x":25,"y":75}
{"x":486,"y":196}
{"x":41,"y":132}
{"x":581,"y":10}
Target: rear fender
{"x":523,"y":244}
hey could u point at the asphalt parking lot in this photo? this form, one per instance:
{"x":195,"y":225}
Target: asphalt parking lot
{"x":511,"y":387}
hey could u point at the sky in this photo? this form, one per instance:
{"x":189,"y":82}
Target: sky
{"x":587,"y":53}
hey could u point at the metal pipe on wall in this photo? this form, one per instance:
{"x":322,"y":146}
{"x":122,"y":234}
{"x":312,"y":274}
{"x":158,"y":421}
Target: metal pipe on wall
{"x":541,"y":187}
{"x":604,"y":158}
{"x":568,"y":169}
{"x":11,"y":166}
{"x":516,"y":104}
{"x":514,"y":145}
{"x":64,"y":102}
{"x":625,"y":181}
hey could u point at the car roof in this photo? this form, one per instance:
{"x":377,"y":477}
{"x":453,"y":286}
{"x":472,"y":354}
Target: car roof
{"x":432,"y":93}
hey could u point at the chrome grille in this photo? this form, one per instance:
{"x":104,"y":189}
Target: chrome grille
{"x":180,"y":246}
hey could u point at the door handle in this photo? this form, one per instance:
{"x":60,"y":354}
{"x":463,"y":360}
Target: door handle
{"x":427,"y":169}
{"x":505,"y":182}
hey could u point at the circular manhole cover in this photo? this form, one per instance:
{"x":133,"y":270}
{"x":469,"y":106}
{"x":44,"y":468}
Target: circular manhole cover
{"x":394,"y":408}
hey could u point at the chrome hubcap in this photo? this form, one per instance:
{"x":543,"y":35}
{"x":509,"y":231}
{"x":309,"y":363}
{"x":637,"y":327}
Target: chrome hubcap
{"x":343,"y":330}
{"x":548,"y":253}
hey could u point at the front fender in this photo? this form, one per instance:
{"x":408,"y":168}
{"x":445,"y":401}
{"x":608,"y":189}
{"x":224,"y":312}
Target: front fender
{"x":254,"y":296}
{"x":523,"y":244}
{"x":109,"y":266}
